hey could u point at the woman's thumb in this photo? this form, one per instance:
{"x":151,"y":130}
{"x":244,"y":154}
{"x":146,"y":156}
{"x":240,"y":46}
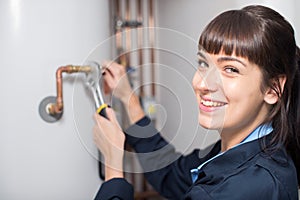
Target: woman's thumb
{"x":111,"y":116}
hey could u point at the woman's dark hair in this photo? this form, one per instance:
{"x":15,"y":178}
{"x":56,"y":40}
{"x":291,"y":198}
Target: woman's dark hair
{"x":264,"y":37}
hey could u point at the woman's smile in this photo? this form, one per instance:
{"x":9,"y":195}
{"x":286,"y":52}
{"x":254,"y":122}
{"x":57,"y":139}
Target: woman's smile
{"x":209,"y":105}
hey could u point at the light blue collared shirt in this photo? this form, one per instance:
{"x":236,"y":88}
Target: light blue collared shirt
{"x":259,"y":132}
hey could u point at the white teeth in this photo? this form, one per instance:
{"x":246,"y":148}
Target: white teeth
{"x":212,"y":103}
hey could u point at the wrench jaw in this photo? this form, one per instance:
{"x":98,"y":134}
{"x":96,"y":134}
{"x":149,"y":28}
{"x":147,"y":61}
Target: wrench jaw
{"x":92,"y":82}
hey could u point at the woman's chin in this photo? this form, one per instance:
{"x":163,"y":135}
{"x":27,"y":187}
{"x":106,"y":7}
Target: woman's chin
{"x":209,"y":123}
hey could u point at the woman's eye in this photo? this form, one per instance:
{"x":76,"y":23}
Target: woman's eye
{"x":202,"y":64}
{"x":230,"y":69}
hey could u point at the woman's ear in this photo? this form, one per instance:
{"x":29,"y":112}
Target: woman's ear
{"x":273,"y":93}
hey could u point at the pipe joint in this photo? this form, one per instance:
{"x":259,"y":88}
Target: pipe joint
{"x":51,"y":108}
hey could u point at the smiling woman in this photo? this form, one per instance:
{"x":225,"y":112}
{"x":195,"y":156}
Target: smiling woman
{"x":247,"y":88}
{"x":252,"y":34}
{"x":238,"y":87}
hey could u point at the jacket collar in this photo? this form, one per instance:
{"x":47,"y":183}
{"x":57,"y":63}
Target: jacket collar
{"x":235,"y":157}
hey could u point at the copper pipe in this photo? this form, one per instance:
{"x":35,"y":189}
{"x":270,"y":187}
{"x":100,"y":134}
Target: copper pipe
{"x":151,"y":40}
{"x":146,"y":194}
{"x":140,"y":46}
{"x":119,"y":35}
{"x":57,"y":108}
{"x":127,"y":34}
{"x":118,"y":31}
{"x":125,"y":61}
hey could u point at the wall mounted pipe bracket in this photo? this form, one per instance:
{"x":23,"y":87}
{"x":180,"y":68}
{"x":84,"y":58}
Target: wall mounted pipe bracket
{"x":51,"y":107}
{"x":120,"y":24}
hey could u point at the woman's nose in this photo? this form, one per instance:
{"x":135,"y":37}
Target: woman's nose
{"x":208,"y":81}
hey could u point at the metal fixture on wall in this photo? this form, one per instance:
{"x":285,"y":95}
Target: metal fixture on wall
{"x":51,"y":107}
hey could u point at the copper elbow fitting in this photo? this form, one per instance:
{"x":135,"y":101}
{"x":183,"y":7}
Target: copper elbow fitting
{"x":57,"y":108}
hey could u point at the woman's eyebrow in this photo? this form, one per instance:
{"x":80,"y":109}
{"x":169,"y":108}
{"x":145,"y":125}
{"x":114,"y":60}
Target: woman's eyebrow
{"x":227,"y":58}
{"x":201,"y":55}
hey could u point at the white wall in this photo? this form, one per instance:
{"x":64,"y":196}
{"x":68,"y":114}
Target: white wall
{"x":185,"y":21}
{"x":41,"y":160}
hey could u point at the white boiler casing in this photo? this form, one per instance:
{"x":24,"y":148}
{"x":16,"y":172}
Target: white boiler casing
{"x":41,"y":160}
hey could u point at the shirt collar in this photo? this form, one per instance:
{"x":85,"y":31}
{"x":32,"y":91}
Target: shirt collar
{"x":259,"y":132}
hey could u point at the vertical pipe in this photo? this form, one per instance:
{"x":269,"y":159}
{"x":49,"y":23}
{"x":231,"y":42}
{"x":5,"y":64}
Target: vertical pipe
{"x":118,"y":29}
{"x":151,"y":41}
{"x":140,"y":45}
{"x":127,"y":34}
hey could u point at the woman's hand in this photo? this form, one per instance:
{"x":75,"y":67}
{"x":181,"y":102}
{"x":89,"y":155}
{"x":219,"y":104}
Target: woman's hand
{"x":110,"y":139}
{"x":116,"y":80}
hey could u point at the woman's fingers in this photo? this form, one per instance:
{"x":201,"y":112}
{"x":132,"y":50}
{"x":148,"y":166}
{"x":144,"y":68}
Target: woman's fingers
{"x":116,"y":80}
{"x":112,"y":75}
{"x":109,"y":129}
{"x":115,"y":69}
{"x":112,"y":117}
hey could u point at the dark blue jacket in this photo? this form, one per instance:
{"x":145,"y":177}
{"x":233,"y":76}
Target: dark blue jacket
{"x":244,"y":172}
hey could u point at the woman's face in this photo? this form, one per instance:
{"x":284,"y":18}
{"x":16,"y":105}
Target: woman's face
{"x":228,"y":91}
